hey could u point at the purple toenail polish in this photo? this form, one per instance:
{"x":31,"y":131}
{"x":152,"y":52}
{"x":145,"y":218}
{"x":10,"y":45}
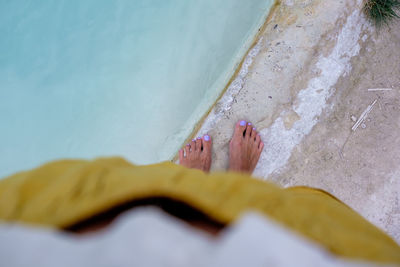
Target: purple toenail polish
{"x":198,"y":138}
{"x":207,"y":137}
{"x":188,"y":144}
{"x":193,"y":140}
{"x":249,"y":123}
{"x":254,"y":129}
{"x":242,"y":123}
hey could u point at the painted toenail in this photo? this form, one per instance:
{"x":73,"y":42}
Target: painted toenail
{"x":242,"y":123}
{"x":193,"y":140}
{"x":254,"y":129}
{"x":249,"y":123}
{"x":188,"y":144}
{"x":198,"y":138}
{"x":207,"y":137}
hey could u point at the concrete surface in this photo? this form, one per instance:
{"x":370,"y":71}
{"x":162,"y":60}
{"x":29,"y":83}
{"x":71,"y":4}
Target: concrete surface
{"x":304,"y":85}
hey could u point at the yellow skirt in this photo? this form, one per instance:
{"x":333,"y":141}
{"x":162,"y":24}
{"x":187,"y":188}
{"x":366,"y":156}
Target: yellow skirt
{"x":63,"y":193}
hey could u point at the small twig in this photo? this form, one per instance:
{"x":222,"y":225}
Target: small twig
{"x":341,"y":154}
{"x":380,"y":89}
{"x":363,"y":115}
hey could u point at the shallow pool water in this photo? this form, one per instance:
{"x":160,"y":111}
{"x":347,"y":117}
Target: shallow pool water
{"x":83,"y":79}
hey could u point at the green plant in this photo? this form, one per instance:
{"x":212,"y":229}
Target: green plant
{"x":382,"y":11}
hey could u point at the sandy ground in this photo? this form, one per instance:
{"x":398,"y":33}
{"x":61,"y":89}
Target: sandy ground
{"x":304,"y":87}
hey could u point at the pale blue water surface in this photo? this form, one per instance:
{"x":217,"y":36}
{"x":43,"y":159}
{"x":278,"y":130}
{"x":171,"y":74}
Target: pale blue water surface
{"x":89,"y":78}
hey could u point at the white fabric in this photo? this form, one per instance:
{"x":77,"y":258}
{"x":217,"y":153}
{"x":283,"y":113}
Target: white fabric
{"x":149,"y":237}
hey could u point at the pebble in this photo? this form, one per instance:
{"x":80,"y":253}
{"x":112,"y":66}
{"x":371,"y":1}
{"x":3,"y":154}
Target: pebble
{"x":363,"y":125}
{"x":353,"y":118}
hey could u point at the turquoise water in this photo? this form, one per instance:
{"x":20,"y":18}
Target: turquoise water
{"x":83,"y":79}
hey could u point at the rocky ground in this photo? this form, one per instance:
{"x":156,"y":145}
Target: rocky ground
{"x":317,"y":66}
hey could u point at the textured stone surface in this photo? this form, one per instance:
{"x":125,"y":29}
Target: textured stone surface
{"x":316,"y":61}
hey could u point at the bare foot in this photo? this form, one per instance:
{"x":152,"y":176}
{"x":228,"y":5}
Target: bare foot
{"x":245,"y":148}
{"x":197,"y":154}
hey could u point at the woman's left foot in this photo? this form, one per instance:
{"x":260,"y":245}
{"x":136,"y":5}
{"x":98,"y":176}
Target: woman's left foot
{"x":197,"y":154}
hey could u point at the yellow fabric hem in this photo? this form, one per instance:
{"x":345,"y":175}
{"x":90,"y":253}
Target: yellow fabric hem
{"x":63,"y":193}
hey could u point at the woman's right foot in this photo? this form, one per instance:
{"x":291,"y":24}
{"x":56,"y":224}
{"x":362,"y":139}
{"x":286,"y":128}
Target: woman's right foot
{"x":245,"y":148}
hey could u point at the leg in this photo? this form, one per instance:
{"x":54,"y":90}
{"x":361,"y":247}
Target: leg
{"x":245,"y":148}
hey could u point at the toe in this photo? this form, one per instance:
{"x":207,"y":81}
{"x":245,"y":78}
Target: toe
{"x":181,"y":155}
{"x":261,"y":146}
{"x":207,"y":144}
{"x":193,"y":145}
{"x":258,"y":140}
{"x":198,"y":144}
{"x":240,"y":128}
{"x":249,"y":129}
{"x":253,"y":134}
{"x":187,"y":150}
